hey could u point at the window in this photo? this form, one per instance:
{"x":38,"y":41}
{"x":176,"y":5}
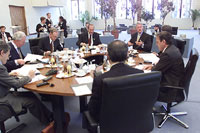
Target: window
{"x":182,"y":8}
{"x":97,"y":10}
{"x":76,"y":9}
{"x":121,"y":9}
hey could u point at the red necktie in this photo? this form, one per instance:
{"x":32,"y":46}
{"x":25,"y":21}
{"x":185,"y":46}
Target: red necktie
{"x":89,"y":40}
{"x":51,"y":45}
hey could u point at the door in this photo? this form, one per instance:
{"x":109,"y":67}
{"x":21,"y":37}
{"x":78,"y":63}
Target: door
{"x":17,"y":15}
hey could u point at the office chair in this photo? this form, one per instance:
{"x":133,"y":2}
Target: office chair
{"x":178,"y":94}
{"x":127,"y":103}
{"x":34,"y":45}
{"x":6,"y":112}
{"x":180,"y":44}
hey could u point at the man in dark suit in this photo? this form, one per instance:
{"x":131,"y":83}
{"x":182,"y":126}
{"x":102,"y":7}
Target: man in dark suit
{"x":141,"y":40}
{"x":41,"y":27}
{"x":170,"y":64}
{"x":16,"y":59}
{"x":90,"y":37}
{"x":49,"y":22}
{"x":49,"y":44}
{"x":5,"y":36}
{"x":117,"y":54}
{"x":19,"y":100}
{"x":85,"y":30}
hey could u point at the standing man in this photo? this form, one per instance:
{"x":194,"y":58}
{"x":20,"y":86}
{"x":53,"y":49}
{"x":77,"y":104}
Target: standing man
{"x":49,"y":22}
{"x":117,"y":54}
{"x":41,"y":27}
{"x":85,"y":30}
{"x":5,"y":36}
{"x":16,"y":59}
{"x":90,"y":37}
{"x":19,"y":100}
{"x":50,"y":44}
{"x":141,"y":40}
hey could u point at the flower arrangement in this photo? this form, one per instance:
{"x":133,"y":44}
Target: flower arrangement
{"x":147,"y":16}
{"x":85,"y":17}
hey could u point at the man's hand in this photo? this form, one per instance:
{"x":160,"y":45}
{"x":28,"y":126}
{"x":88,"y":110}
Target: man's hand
{"x":130,"y":44}
{"x":138,"y":43}
{"x":9,"y":38}
{"x":31,"y":74}
{"x":47,"y":53}
{"x":83,"y":44}
{"x":13,"y":73}
{"x":149,"y":67}
{"x":20,"y":61}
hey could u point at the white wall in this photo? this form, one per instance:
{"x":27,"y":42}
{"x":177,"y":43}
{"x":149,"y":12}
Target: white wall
{"x":32,"y":14}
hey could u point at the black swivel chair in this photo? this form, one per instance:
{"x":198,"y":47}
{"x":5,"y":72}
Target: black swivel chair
{"x":6,"y":112}
{"x":34,"y":45}
{"x":178,"y":94}
{"x":127,"y":103}
{"x":180,"y":44}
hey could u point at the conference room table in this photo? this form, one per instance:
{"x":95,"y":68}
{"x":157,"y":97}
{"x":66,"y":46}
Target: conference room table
{"x":61,"y":88}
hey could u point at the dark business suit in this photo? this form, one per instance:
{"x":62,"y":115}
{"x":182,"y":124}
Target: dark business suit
{"x":14,"y":55}
{"x":47,"y":23}
{"x":120,"y":69}
{"x":84,"y":30}
{"x":84,"y":39}
{"x":44,"y":45}
{"x":7,"y":35}
{"x":19,"y":100}
{"x":146,"y":38}
{"x":63,"y":26}
{"x":38,"y":27}
{"x":171,"y":65}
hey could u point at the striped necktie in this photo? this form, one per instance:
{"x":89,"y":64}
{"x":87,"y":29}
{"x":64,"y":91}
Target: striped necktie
{"x":20,"y":53}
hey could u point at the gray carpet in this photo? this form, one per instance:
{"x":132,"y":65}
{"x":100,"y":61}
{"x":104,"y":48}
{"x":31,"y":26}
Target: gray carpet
{"x":192,"y":106}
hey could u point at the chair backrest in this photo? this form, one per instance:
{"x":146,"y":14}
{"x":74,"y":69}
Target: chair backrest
{"x":189,"y":69}
{"x":127,"y":103}
{"x":180,"y":45}
{"x":34,"y":45}
{"x":174,"y":30}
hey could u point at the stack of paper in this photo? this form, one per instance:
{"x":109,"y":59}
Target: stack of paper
{"x":149,"y":57}
{"x":81,"y":90}
{"x":84,"y":80}
{"x":32,"y":57}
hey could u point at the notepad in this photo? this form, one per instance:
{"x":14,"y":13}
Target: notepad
{"x":81,"y":90}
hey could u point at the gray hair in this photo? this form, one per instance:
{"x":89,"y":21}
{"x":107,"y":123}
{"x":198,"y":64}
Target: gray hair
{"x":53,"y":29}
{"x":139,"y":23}
{"x":18,"y":35}
{"x":4,"y":46}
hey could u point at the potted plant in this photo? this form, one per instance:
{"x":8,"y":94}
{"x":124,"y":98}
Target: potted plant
{"x":194,"y":15}
{"x":147,"y":16}
{"x":85,"y":17}
{"x":105,"y":11}
{"x":165,"y":7}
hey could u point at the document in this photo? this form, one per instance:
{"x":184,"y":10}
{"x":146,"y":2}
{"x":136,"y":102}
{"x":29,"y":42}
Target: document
{"x":84,"y":80}
{"x":81,"y":90}
{"x":32,"y":57}
{"x":149,"y":57}
{"x":37,"y":78}
{"x":23,"y":71}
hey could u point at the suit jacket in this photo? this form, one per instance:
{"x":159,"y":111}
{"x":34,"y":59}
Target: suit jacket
{"x":146,"y":38}
{"x":10,"y":65}
{"x":44,"y":45}
{"x":171,"y":65}
{"x":7,"y":35}
{"x":38,"y":27}
{"x":83,"y":38}
{"x":7,"y":81}
{"x":47,"y":23}
{"x":119,"y":69}
{"x":63,"y":26}
{"x":84,"y":30}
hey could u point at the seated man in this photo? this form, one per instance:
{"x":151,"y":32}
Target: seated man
{"x":157,"y":29}
{"x":5,"y":36}
{"x":171,"y":63}
{"x":141,"y":40}
{"x":19,"y":100}
{"x":49,"y":44}
{"x":90,"y":37}
{"x":16,"y":59}
{"x":117,"y":54}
